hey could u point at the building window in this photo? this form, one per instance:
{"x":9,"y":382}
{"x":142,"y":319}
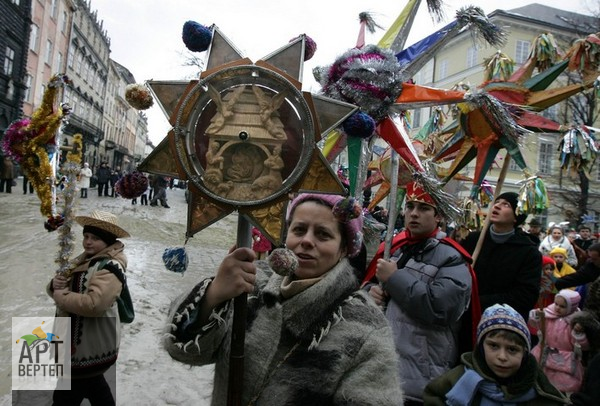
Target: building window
{"x":53,"y":8}
{"x":545,"y":158}
{"x":34,"y":37}
{"x":416,"y":121}
{"x":522,"y":52}
{"x":443,"y":69}
{"x":9,"y":60}
{"x":79,"y":62}
{"x":63,"y":26}
{"x":59,"y":62}
{"x":48,"y":59}
{"x":512,"y":165}
{"x":471,"y":57}
{"x":28,"y":82}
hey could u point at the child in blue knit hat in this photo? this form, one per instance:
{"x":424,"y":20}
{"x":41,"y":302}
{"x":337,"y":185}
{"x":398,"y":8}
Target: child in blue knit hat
{"x":499,"y":371}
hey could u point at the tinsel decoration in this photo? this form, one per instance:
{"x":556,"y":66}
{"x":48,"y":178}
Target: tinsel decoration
{"x":496,"y":113}
{"x":498,"y":67}
{"x":132,"y":185}
{"x":480,"y":26}
{"x":445,"y":202}
{"x":347,"y":209}
{"x":310,"y":47}
{"x":578,"y":151}
{"x":196,"y":37}
{"x":435,"y":9}
{"x":66,"y":238}
{"x":372,"y":229}
{"x":370,"y":78}
{"x":283,"y":261}
{"x":42,"y":129}
{"x":369,"y":22}
{"x":544,"y":51}
{"x":15,"y":139}
{"x":359,"y":124}
{"x":175,"y":259}
{"x":533,"y":197}
{"x":138,"y":96}
{"x":486,"y":193}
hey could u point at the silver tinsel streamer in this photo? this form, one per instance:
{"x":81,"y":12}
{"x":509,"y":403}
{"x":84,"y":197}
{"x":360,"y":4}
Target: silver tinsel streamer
{"x":497,"y":115}
{"x":66,"y":238}
{"x":445,"y":202}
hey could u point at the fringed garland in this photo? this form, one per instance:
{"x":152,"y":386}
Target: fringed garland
{"x":578,"y":151}
{"x":533,"y":196}
{"x":66,"y":239}
{"x":498,"y":67}
{"x":544,"y":51}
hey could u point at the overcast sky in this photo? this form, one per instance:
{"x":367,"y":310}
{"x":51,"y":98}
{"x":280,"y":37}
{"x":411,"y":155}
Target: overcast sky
{"x":146,"y":35}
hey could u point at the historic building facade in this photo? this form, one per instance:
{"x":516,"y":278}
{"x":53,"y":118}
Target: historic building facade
{"x":15,"y":18}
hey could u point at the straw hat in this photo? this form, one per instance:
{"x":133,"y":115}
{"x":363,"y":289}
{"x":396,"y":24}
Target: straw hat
{"x":104,"y":221}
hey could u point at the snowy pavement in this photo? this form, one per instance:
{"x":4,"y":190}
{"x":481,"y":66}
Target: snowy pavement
{"x":146,"y":375}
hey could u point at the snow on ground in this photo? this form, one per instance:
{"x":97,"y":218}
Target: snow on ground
{"x":146,"y":375}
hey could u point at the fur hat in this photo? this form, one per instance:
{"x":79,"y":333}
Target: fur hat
{"x":558,"y":250}
{"x":345,"y":209}
{"x":513,"y":199}
{"x":104,"y":221}
{"x":503,"y":317}
{"x":546,"y":260}
{"x":571,"y":297}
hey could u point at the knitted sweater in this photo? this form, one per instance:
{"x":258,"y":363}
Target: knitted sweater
{"x":327,"y":345}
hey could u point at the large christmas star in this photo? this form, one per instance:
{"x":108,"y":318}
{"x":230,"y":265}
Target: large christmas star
{"x":244,"y":136}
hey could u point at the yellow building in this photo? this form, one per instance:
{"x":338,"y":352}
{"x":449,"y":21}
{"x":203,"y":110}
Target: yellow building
{"x":461,"y":62}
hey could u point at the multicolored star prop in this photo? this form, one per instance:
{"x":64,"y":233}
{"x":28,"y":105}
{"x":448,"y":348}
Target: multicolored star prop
{"x":245,"y":135}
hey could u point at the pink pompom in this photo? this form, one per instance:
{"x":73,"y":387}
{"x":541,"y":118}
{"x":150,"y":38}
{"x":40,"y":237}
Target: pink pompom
{"x":283,"y":261}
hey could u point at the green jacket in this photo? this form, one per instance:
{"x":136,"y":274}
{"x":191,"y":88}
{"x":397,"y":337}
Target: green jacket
{"x":547,"y":394}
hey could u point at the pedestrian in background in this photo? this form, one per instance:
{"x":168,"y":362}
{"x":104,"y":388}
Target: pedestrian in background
{"x":26,"y":183}
{"x":160,"y":192}
{"x":103,"y":175}
{"x":556,"y":238}
{"x":7,"y":175}
{"x":85,"y":175}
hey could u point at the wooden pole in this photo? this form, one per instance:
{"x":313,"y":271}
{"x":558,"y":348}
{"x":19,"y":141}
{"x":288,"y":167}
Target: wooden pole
{"x":238,"y":329}
{"x":486,"y":223}
{"x":393,"y":205}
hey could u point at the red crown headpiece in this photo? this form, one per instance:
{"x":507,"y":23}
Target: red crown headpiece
{"x":415,"y":193}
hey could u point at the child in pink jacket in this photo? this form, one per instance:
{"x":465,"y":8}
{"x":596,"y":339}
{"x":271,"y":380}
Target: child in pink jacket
{"x":559,"y":349}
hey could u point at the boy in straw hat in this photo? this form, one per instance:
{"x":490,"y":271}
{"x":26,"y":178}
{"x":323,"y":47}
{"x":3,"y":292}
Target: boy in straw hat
{"x":88,"y":295}
{"x":499,"y":371}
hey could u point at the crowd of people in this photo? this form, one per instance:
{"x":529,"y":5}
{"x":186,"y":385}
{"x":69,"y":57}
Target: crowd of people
{"x":501,"y":317}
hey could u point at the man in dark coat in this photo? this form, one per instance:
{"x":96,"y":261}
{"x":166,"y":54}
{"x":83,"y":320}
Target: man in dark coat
{"x":589,"y":272}
{"x":509,"y":265}
{"x":103,"y":175}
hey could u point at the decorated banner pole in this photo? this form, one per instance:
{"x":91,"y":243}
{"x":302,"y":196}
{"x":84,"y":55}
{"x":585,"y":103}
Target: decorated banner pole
{"x":393,"y":211}
{"x":486,"y":223}
{"x":238,"y":330}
